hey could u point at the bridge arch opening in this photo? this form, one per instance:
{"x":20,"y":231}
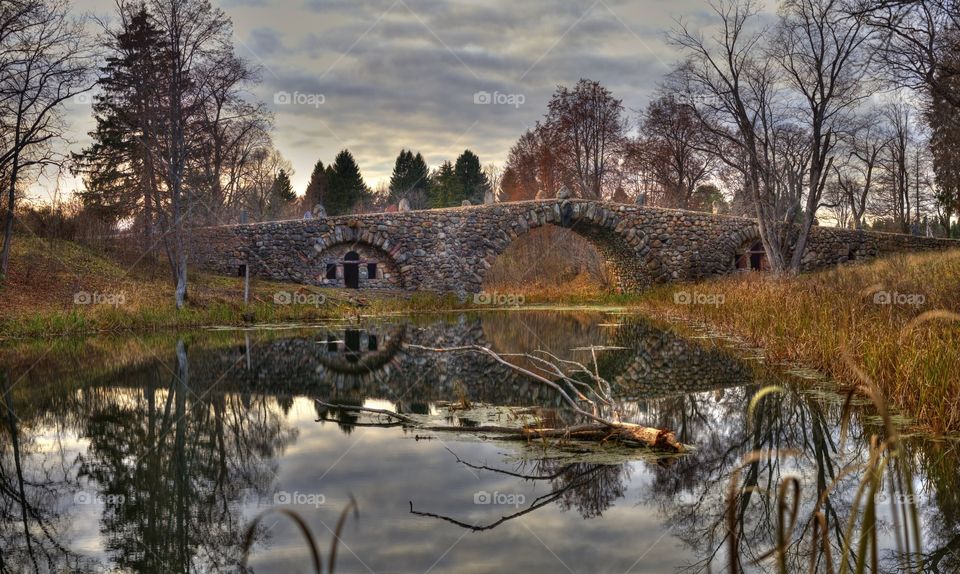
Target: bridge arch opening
{"x":631,"y":255}
{"x":548,"y":259}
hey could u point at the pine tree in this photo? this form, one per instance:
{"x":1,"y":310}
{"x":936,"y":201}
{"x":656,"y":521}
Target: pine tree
{"x":473,"y":182}
{"x":400,"y":179}
{"x":281,"y":195}
{"x":410,"y":180}
{"x":317,"y":188}
{"x":282,"y":188}
{"x":346,"y":189}
{"x":119,"y":168}
{"x":445,"y":187}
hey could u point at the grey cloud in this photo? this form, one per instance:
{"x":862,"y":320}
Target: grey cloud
{"x":389,"y":83}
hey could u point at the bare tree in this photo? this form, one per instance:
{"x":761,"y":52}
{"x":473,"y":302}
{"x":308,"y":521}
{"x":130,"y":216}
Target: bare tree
{"x":734,"y":88}
{"x":256,"y":188}
{"x":226,"y":124}
{"x":533,"y":168}
{"x":914,"y":42}
{"x":44,"y":62}
{"x":821,"y":49}
{"x":585,"y":127}
{"x":857,"y":168}
{"x":671,"y":147}
{"x":196,"y":34}
{"x":494,"y":175}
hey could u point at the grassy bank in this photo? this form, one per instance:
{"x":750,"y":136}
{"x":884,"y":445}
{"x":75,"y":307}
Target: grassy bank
{"x":894,"y":319}
{"x":57,"y":288}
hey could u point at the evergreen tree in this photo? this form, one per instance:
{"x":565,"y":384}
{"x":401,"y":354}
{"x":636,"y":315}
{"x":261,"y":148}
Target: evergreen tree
{"x":283,"y":188}
{"x":346,"y":190}
{"x":400,"y":179}
{"x":473,"y":182}
{"x":281,"y":195}
{"x":445,"y":187}
{"x":410,"y":180}
{"x":120,"y":169}
{"x":317,"y":188}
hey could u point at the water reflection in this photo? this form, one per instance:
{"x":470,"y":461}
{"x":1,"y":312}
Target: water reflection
{"x":171,"y":447}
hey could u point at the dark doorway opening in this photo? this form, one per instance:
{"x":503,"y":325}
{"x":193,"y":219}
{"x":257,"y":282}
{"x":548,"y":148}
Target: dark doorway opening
{"x":351,"y":270}
{"x":754,"y":258}
{"x":352,"y":340}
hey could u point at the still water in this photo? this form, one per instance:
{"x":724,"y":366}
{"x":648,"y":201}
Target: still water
{"x":155,"y":454}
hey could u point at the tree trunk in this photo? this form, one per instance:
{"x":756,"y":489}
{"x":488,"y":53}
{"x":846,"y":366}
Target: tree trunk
{"x":181,"y":293}
{"x":10,"y":218}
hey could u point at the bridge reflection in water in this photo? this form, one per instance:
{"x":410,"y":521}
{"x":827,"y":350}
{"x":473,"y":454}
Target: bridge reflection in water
{"x":179,"y":446}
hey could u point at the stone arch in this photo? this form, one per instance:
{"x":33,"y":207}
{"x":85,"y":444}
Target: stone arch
{"x":379,"y":260}
{"x":625,"y":248}
{"x":746,"y":251}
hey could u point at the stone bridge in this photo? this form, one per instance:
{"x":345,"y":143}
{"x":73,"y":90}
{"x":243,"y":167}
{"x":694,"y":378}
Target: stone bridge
{"x":451,"y":250}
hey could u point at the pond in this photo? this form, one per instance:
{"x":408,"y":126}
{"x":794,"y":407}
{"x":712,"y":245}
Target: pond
{"x":156,"y":453}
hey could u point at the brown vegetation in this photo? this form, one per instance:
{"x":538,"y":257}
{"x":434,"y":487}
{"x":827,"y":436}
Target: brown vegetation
{"x":550,"y":261}
{"x":895,"y":321}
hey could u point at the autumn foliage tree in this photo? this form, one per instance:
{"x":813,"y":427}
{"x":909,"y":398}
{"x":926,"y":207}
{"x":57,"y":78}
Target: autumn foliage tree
{"x":579,"y":144}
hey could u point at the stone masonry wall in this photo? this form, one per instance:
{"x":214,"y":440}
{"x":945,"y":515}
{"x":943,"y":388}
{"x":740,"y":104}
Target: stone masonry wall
{"x":450,"y":250}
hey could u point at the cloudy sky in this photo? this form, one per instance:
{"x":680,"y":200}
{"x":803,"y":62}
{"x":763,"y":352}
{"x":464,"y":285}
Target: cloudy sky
{"x":376,"y":76}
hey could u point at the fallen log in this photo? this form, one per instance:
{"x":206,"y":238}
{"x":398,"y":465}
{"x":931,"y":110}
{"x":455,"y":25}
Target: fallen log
{"x":622,"y":433}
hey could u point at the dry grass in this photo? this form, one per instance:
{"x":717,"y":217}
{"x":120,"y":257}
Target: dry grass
{"x":838,"y":321}
{"x":550,"y":262}
{"x":39,"y":298}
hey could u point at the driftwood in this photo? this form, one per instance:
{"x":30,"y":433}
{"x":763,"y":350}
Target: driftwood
{"x":599,"y":430}
{"x":626,"y":433}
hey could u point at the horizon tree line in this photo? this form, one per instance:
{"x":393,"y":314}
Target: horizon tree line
{"x":340,"y":188}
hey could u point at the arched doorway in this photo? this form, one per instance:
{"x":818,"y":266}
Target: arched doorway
{"x":351,"y":270}
{"x":752,"y":257}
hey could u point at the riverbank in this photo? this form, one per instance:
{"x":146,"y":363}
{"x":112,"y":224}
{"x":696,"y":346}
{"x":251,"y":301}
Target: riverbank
{"x":894,"y":320}
{"x":60,"y":288}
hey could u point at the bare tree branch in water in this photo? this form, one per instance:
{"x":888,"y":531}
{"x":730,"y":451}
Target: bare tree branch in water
{"x":603,"y":428}
{"x":574,"y":484}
